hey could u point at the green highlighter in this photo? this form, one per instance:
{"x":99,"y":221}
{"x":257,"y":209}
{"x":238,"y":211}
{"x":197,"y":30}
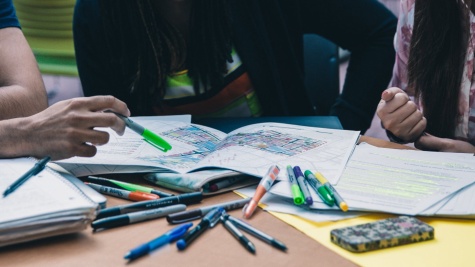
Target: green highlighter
{"x":148,"y":135}
{"x":294,"y":187}
{"x":321,"y":190}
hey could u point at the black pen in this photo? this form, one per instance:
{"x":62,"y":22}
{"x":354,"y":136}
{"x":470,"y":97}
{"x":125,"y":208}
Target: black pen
{"x":190,"y":215}
{"x":135,"y":217}
{"x":39,"y":166}
{"x":259,"y":234}
{"x":208,"y":221}
{"x":188,"y":198}
{"x":237,"y":234}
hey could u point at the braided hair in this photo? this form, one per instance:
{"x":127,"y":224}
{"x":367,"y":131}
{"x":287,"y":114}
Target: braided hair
{"x":150,"y":48}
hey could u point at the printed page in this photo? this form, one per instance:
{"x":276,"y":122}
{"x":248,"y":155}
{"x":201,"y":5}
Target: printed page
{"x":403,"y":181}
{"x":42,"y":196}
{"x":130,"y":153}
{"x":252,"y":149}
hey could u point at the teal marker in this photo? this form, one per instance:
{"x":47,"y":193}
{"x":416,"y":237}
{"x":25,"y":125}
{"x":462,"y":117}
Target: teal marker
{"x":294,"y":187}
{"x":126,"y":186}
{"x":321,"y":190}
{"x":148,"y":135}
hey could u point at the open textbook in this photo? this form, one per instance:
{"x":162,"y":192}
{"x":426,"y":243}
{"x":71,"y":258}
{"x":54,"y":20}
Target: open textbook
{"x":407,"y":182}
{"x":248,"y":150}
{"x":48,"y":204}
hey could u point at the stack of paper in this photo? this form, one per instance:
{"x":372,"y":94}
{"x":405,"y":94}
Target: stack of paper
{"x":45,"y":205}
{"x":407,"y":182}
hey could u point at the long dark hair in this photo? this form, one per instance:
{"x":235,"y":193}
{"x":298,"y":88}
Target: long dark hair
{"x":436,"y":60}
{"x":161,"y":50}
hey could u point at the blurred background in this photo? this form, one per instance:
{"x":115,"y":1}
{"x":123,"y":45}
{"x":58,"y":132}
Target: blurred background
{"x":47,"y":25}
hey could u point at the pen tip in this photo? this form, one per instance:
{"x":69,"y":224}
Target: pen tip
{"x":127,"y":256}
{"x":279,"y":245}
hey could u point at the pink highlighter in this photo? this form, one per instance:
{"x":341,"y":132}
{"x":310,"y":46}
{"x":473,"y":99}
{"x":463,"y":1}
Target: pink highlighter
{"x":264,"y":185}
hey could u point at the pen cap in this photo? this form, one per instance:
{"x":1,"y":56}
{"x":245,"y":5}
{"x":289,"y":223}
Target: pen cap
{"x":213,"y":216}
{"x":269,"y":178}
{"x":190,"y":198}
{"x":184,"y":216}
{"x":298,"y":171}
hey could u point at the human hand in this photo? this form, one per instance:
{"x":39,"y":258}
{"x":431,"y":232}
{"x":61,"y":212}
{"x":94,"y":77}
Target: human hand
{"x":400,"y":115}
{"x":66,"y":128}
{"x":433,"y":143}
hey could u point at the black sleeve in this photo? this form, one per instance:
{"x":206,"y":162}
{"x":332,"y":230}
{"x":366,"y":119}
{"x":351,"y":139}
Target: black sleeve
{"x":95,"y":71}
{"x":366,"y":28}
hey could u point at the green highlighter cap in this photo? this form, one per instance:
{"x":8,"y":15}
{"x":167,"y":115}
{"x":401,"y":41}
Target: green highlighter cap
{"x":325,"y":196}
{"x":297,"y":194}
{"x":322,"y":191}
{"x":156,"y":140}
{"x":294,"y":187}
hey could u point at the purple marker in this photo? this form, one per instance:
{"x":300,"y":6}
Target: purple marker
{"x":303,"y":185}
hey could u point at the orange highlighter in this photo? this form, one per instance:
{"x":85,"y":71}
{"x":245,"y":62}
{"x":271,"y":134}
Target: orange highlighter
{"x":121,"y":193}
{"x":264,"y":185}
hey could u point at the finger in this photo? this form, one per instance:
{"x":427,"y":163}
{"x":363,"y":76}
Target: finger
{"x":389,"y":93}
{"x":96,"y":137}
{"x":100,"y":103}
{"x":86,"y":150}
{"x":417,"y":130}
{"x":89,"y":120}
{"x":402,"y":119}
{"x":385,"y":109}
{"x":71,"y":149}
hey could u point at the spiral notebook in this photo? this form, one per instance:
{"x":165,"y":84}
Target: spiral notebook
{"x":48,"y":204}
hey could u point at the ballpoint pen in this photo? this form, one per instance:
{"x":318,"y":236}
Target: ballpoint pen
{"x":237,"y":234}
{"x":303,"y":185}
{"x":135,"y":217}
{"x":208,"y":221}
{"x":121,"y":193}
{"x":126,"y":186}
{"x":294,"y":187}
{"x":189,"y":215}
{"x":187,"y":198}
{"x":338,"y":199}
{"x":168,"y":237}
{"x":264,"y":185}
{"x":37,"y":168}
{"x":321,"y":190}
{"x":259,"y":234}
{"x":148,"y":135}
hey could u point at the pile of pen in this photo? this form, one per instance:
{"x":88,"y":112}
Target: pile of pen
{"x":300,"y":192}
{"x":153,"y":204}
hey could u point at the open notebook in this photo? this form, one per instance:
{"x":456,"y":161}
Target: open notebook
{"x":48,"y":204}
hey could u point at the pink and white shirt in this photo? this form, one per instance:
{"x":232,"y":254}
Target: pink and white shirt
{"x":465,"y":129}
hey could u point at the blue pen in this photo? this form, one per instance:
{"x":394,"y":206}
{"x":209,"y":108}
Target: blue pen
{"x":168,"y":237}
{"x":208,"y":221}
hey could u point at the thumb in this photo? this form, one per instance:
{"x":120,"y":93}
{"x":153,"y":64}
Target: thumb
{"x":389,"y":93}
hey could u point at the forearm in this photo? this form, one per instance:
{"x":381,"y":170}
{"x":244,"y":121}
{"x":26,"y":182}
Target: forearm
{"x":22,"y":92}
{"x":17,"y":101}
{"x":13,"y":136}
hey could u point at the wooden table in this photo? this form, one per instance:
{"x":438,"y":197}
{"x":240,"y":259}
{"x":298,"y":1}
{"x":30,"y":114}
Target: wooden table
{"x":215,"y":247}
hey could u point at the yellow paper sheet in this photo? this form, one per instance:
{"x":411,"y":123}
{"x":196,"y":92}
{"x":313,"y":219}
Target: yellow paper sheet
{"x":452,"y":246}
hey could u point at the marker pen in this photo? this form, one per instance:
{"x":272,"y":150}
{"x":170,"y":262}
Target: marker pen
{"x":121,"y":193}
